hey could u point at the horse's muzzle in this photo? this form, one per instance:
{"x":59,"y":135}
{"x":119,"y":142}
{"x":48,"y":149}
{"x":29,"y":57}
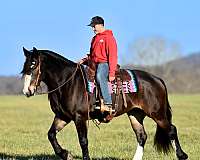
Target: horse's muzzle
{"x":30,"y":92}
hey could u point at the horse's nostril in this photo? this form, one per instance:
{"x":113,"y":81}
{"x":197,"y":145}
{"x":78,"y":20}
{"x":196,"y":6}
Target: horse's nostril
{"x":28,"y":95}
{"x":32,"y":90}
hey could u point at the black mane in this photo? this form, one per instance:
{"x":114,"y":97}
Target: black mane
{"x":51,"y":57}
{"x":56,"y":56}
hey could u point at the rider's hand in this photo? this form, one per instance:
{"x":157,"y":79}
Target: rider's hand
{"x":80,"y":61}
{"x":111,"y":78}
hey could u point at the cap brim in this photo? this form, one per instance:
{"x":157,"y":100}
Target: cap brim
{"x":91,"y":25}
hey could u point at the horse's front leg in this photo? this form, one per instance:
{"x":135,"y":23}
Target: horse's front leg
{"x":56,"y":126}
{"x":81,"y":128}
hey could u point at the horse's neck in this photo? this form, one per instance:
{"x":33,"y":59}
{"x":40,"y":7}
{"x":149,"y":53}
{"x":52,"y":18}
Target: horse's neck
{"x":57,"y":77}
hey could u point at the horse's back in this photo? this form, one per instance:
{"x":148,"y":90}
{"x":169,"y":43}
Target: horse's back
{"x":148,"y":80}
{"x":152,"y":95}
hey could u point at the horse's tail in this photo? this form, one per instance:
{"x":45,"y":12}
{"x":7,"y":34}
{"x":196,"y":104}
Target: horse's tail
{"x":162,"y":140}
{"x":169,"y":110}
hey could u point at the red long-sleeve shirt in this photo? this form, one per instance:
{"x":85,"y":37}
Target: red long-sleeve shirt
{"x":104,"y":49}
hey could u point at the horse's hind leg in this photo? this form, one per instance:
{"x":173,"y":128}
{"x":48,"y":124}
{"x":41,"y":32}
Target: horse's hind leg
{"x":136,"y":117}
{"x":174,"y":137}
{"x":57,"y":126}
{"x":166,"y":134}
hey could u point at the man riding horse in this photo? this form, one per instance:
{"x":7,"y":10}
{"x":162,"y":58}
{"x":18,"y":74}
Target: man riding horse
{"x":103,"y":52}
{"x":67,"y":95}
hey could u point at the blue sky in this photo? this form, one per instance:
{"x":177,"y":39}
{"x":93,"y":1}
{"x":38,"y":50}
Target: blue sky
{"x":60,"y":26}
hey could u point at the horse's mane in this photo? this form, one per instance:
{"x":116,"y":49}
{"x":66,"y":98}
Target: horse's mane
{"x":56,"y":56}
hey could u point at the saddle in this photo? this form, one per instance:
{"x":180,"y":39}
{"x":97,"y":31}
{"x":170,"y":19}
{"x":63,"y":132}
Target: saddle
{"x":120,"y":76}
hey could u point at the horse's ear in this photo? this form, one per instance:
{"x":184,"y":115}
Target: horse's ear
{"x":26,"y":52}
{"x":35,"y":52}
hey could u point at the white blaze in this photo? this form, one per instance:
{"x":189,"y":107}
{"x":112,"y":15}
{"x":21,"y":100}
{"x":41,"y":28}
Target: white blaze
{"x":139,"y":153}
{"x":27,"y":82}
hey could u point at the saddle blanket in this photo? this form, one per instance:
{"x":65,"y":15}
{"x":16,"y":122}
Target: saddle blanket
{"x":130,"y":86}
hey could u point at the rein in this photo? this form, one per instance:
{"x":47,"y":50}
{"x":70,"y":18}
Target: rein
{"x":78,"y":66}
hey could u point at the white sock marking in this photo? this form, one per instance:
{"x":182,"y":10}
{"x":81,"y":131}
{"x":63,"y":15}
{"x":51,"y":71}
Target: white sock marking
{"x":139,"y":153}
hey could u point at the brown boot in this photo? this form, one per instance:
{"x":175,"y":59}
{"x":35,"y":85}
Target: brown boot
{"x":107,"y":108}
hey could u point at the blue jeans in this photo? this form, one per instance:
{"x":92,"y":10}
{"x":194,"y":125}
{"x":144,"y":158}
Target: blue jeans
{"x":102,"y":80}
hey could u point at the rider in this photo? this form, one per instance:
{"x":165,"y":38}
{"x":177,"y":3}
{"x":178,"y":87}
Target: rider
{"x":103,"y":52}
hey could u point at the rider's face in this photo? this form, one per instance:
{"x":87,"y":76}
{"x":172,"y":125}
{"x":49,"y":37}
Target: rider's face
{"x":98,"y":28}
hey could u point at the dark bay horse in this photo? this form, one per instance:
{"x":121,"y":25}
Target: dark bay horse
{"x":70,"y":102}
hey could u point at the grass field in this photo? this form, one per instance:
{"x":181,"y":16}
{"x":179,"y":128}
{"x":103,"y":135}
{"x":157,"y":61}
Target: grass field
{"x":24,"y":123}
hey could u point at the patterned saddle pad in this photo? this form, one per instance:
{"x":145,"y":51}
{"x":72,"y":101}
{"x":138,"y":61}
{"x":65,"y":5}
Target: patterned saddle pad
{"x":129,"y":85}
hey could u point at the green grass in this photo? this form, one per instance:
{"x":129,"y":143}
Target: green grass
{"x":24,"y":123}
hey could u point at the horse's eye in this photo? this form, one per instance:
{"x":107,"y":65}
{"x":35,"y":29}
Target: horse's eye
{"x":33,"y":64}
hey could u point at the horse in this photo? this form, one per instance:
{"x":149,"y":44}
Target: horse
{"x":70,"y":101}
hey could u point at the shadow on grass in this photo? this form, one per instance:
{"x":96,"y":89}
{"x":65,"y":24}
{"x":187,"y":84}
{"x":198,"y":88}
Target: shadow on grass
{"x":26,"y":157}
{"x":4,"y":156}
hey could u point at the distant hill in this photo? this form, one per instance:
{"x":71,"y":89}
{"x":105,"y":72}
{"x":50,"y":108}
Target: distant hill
{"x":184,"y":74}
{"x":180,"y":75}
{"x":10,"y":85}
{"x":186,"y":63}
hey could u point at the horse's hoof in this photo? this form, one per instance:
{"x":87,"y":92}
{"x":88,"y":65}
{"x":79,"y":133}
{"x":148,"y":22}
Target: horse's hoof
{"x":69,"y":156}
{"x":66,"y":155}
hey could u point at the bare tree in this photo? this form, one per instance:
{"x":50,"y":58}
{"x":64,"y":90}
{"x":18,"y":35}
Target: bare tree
{"x":153,"y":54}
{"x":153,"y":51}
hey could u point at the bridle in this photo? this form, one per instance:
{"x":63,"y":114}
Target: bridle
{"x":53,"y":90}
{"x":35,"y":83}
{"x":39,"y":73}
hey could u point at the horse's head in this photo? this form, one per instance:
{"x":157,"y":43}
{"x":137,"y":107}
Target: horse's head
{"x":31,"y":71}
